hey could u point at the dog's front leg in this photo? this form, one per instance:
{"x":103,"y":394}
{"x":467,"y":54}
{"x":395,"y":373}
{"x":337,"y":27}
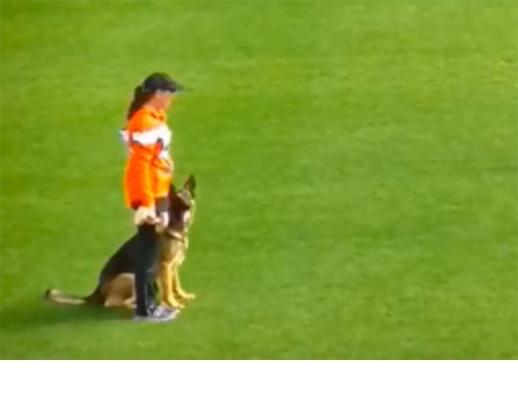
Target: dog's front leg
{"x":177,"y":288}
{"x":165,"y":285}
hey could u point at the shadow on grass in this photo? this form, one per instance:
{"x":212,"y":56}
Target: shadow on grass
{"x":43,"y":314}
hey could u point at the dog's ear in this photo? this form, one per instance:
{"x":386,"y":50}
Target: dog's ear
{"x":172,"y":188}
{"x":179,"y":203}
{"x":190,"y":185}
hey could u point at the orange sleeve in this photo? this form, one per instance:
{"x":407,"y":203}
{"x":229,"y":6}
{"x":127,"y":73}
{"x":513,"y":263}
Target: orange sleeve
{"x":142,"y":152}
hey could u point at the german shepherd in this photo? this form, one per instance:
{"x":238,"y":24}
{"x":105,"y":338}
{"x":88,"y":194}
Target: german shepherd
{"x":115,"y":287}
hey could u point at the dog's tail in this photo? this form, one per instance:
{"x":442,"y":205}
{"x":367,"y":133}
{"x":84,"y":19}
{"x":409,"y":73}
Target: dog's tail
{"x":58,"y":297}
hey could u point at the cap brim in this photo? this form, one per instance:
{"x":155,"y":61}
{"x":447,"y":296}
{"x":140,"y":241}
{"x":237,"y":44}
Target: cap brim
{"x":175,"y":89}
{"x":174,"y":86}
{"x":179,"y":89}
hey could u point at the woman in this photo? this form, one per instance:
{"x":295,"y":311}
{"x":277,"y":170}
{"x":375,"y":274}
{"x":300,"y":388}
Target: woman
{"x":147,"y":178}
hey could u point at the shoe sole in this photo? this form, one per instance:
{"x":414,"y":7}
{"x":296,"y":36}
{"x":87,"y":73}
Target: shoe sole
{"x":151,"y":319}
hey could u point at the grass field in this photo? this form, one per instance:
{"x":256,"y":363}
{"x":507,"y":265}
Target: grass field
{"x":357,"y":170}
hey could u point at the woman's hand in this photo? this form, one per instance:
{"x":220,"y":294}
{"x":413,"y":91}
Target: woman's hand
{"x":145,"y":215}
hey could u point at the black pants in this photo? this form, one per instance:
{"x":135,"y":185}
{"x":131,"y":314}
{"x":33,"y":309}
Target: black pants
{"x":145,"y":259}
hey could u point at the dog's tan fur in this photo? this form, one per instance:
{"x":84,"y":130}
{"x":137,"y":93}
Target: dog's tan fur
{"x":116,"y":289}
{"x":174,"y":245}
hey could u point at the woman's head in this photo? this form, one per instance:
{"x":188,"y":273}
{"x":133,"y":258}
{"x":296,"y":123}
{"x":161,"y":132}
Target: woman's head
{"x":156,"y":90}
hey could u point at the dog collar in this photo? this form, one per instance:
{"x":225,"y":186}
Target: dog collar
{"x":175,"y":235}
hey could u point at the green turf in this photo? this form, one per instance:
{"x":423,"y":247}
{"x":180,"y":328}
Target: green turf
{"x":356,"y":163}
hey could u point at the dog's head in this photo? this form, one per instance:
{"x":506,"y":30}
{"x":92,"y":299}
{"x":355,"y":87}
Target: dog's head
{"x":182,"y":203}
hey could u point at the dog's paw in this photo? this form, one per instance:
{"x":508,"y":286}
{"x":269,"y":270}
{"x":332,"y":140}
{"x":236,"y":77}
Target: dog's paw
{"x":173,"y":304}
{"x":186,"y":296}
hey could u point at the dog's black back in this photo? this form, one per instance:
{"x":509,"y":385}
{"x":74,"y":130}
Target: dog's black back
{"x":121,"y":261}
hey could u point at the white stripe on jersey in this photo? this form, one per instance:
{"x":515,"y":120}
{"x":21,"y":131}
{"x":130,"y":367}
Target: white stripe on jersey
{"x":152,"y":136}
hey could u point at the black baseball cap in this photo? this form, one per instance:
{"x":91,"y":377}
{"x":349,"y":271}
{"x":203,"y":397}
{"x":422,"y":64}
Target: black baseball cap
{"x":160,"y":82}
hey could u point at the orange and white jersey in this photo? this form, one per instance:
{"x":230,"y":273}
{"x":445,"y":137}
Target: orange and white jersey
{"x":149,"y":167}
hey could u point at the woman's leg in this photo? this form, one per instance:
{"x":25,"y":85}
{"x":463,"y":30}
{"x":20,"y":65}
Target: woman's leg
{"x":145,"y":259}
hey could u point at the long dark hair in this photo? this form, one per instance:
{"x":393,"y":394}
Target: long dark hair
{"x":140,"y":97}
